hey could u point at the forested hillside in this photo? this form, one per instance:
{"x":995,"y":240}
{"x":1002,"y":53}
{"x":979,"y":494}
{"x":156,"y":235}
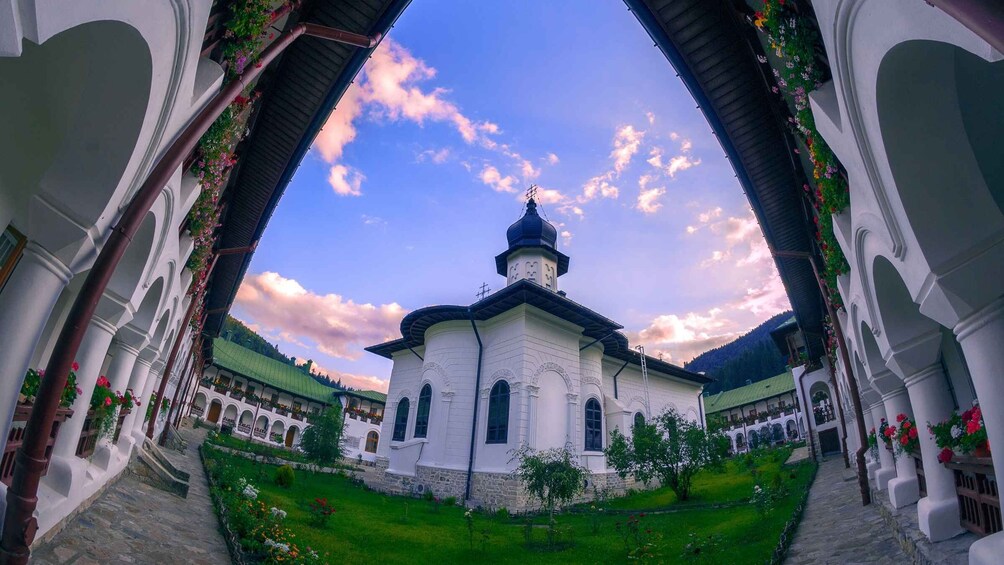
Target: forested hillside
{"x":753,"y":356}
{"x":234,"y":330}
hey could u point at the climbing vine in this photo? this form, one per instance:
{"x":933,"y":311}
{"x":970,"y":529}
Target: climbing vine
{"x":794,"y":41}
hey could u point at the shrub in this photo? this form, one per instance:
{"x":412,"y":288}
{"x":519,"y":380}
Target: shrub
{"x":284,"y":476}
{"x":428,"y":495}
{"x":322,"y":440}
{"x":319,"y":511}
{"x":450,"y":501}
{"x":552,"y":477}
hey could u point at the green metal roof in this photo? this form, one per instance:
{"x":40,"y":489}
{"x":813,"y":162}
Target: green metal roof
{"x":255,"y":366}
{"x":789,"y":322}
{"x":369,"y":395}
{"x":749,"y":394}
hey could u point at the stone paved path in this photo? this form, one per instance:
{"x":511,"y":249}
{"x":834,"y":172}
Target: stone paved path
{"x":836,"y":529}
{"x":133,"y":522}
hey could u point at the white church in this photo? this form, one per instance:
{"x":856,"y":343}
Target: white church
{"x":525,"y":365}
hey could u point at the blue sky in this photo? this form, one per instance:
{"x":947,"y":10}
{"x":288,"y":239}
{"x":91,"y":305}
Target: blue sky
{"x":405,"y":198}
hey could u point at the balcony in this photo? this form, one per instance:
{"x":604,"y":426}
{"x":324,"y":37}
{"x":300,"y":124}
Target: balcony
{"x":197,"y":411}
{"x":237,"y":394}
{"x":220,"y":388}
{"x":244,"y":428}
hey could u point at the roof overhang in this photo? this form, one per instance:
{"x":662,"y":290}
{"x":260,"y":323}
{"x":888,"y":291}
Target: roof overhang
{"x":502,"y":259}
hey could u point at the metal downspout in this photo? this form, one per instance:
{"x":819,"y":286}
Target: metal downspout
{"x":477,"y":397}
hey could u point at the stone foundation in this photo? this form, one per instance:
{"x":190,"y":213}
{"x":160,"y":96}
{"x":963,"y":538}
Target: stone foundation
{"x":490,"y":490}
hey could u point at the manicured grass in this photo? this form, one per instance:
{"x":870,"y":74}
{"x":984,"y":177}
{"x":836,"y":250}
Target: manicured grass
{"x":370,"y":527}
{"x":258,"y":449}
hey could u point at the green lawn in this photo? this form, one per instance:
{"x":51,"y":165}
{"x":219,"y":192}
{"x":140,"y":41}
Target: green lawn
{"x":372,"y":527}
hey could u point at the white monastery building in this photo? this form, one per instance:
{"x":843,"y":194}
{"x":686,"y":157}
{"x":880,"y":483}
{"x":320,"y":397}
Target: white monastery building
{"x":523,"y":366}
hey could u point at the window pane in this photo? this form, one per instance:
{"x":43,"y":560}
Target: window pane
{"x":498,"y":413}
{"x":594,"y":426}
{"x":424,"y":406}
{"x":401,"y":420}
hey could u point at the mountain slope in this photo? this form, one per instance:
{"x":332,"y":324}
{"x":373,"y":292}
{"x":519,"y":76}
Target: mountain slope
{"x":752,"y":356}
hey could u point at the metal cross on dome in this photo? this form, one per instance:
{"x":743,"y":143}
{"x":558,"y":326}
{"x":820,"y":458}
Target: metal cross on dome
{"x":531,"y":192}
{"x":485,"y":291}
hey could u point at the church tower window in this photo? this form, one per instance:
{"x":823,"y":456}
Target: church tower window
{"x":424,"y":406}
{"x":498,"y":413}
{"x":594,"y":426}
{"x":401,"y":420}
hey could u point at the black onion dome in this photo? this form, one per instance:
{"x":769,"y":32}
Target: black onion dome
{"x":532,"y":230}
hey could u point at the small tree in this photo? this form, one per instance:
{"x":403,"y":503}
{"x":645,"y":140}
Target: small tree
{"x":552,"y":477}
{"x":322,"y":440}
{"x":672,"y":449}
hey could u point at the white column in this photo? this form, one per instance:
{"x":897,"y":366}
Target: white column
{"x":137,"y":380}
{"x":982,"y":339}
{"x":152,"y":380}
{"x":66,"y":470}
{"x":872,"y":459}
{"x":903,"y":490}
{"x":530,"y":435}
{"x":119,"y":370}
{"x":443,"y":424}
{"x":938,"y":512}
{"x":887,"y":467}
{"x":25,"y":305}
{"x":570,"y":436}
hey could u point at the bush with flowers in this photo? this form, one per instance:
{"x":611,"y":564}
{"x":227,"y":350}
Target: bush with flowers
{"x":963,"y":433}
{"x":256,"y":523}
{"x":885,"y":432}
{"x":33,"y":380}
{"x":103,"y":404}
{"x":128,"y":401}
{"x":906,"y":438}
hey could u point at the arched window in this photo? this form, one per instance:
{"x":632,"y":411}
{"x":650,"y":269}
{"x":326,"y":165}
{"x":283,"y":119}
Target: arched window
{"x":424,"y":406}
{"x":639,"y":418}
{"x":498,"y":413}
{"x":372,"y":438}
{"x":594,"y":426}
{"x":401,"y":420}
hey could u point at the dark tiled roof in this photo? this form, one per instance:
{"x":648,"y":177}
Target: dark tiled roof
{"x":595,"y":326}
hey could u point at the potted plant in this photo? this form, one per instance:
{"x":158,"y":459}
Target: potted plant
{"x":907,"y":440}
{"x":961,"y":433}
{"x":886,"y":433}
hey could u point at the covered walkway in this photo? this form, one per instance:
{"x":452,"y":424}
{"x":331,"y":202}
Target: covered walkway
{"x":133,"y":522}
{"x":835,"y":529}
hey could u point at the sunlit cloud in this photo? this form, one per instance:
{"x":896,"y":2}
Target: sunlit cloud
{"x":345,"y":181}
{"x":493,"y":178}
{"x":626,"y":143}
{"x":358,"y":382}
{"x":552,"y":159}
{"x":648,"y":200}
{"x":434,"y":156}
{"x":329,"y":323}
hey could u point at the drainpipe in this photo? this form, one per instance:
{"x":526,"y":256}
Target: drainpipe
{"x":477,"y":397}
{"x":852,"y":385}
{"x":20,"y":526}
{"x":700,"y":409}
{"x":615,"y":377}
{"x":840,"y":412}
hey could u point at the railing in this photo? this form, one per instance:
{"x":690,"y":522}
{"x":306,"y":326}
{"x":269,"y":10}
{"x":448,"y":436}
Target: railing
{"x":244,"y":428}
{"x":222,"y":389}
{"x":823,"y":414}
{"x":259,"y":432}
{"x":118,"y":425}
{"x":88,"y":436}
{"x":281,"y":410}
{"x":16,"y":436}
{"x":297,"y":416}
{"x":198,"y":411}
{"x":979,"y":501}
{"x":236,"y":394}
{"x":921,"y":477}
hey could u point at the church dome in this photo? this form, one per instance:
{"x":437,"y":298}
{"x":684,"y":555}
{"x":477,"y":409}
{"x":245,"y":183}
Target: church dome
{"x":532,"y":230}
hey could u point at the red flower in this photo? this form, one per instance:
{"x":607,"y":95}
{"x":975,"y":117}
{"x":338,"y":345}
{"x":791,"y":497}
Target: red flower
{"x":967,"y":415}
{"x":904,"y":440}
{"x":75,"y":366}
{"x":900,"y":417}
{"x":108,"y":401}
{"x":913,"y":433}
{"x":946,"y":455}
{"x":973,"y":426}
{"x":890,"y":431}
{"x":907,"y":424}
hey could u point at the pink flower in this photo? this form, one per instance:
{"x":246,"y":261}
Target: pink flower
{"x":108,"y":401}
{"x":79,"y":391}
{"x":75,"y":366}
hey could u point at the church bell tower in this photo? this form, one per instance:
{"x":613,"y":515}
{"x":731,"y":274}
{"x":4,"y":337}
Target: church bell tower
{"x":533,"y":251}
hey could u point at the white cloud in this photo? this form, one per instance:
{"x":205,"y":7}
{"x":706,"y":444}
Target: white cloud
{"x":493,"y":178}
{"x":552,"y":159}
{"x":334,"y":325}
{"x":599,"y":186}
{"x":680,"y":163}
{"x":345,"y":181}
{"x":648,"y":200}
{"x":339,"y":130}
{"x":435,"y":156}
{"x":626,"y":143}
{"x":651,"y":117}
{"x":566,"y":237}
{"x":373,"y":220}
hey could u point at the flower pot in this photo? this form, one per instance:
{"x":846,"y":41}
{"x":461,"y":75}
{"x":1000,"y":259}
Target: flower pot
{"x":982,"y":451}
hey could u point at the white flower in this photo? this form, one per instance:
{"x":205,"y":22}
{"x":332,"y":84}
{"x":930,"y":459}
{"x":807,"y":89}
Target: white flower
{"x":250,"y":492}
{"x":281,"y":514}
{"x":956,"y":432}
{"x":283,"y":547}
